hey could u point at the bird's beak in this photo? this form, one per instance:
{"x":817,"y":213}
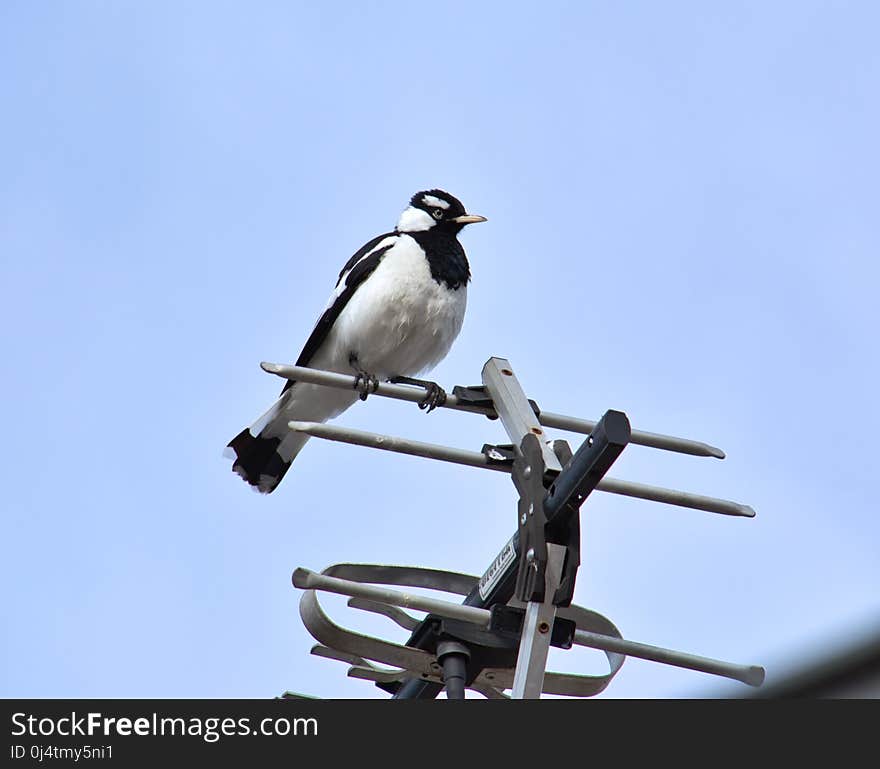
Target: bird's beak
{"x":469,"y":219}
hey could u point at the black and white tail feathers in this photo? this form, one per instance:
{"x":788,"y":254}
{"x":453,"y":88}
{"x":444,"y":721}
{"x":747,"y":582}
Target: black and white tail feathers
{"x":257,"y":460}
{"x":263,"y":452}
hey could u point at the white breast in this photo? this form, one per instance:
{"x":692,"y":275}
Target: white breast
{"x":400,"y":321}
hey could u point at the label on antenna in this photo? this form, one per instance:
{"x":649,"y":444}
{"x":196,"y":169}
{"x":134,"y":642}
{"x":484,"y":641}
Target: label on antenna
{"x":497,"y":568}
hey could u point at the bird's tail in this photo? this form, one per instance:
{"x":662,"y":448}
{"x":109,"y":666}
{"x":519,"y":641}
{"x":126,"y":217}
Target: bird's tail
{"x":263,"y":452}
{"x":261,"y":460}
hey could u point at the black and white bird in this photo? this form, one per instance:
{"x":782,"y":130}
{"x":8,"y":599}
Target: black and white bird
{"x":397,"y":307}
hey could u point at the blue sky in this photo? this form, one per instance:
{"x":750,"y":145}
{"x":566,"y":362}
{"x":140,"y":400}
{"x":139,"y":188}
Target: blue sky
{"x":683,"y":224}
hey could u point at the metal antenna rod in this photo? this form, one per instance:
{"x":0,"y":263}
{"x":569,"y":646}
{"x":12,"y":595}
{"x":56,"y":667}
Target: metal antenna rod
{"x":546,"y":418}
{"x":753,"y":675}
{"x":476,"y":459}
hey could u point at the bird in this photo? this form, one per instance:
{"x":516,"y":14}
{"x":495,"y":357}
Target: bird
{"x":397,"y":307}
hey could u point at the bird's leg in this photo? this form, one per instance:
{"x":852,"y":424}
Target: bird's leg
{"x":364,"y":382}
{"x":435,"y":395}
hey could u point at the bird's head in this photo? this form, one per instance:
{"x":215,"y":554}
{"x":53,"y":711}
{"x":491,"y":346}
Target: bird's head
{"x":435,"y":208}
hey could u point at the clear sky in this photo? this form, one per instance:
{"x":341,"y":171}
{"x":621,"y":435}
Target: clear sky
{"x":683,"y":224}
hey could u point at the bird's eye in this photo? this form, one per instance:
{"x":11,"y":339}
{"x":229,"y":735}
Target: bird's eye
{"x":437,"y":213}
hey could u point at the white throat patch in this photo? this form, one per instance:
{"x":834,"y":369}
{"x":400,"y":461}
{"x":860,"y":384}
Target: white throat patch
{"x":415,"y":220}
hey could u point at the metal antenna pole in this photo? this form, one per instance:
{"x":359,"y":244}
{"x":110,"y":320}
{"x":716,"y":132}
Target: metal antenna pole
{"x":528,"y":682}
{"x":541,"y":563}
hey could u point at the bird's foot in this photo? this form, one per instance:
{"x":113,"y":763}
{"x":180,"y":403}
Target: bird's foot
{"x":435,"y":395}
{"x":366,"y":384}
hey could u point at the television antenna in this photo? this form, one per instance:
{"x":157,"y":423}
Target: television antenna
{"x":499,"y":637}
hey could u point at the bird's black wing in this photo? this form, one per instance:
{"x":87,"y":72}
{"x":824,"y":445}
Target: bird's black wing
{"x":353,"y":274}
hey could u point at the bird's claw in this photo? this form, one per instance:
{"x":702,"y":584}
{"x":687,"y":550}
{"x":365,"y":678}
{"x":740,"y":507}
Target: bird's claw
{"x":435,"y":396}
{"x":366,"y":384}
